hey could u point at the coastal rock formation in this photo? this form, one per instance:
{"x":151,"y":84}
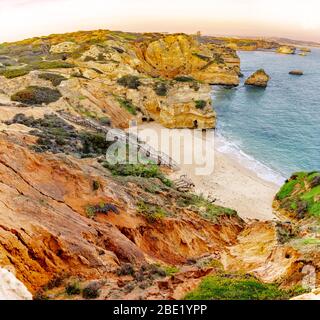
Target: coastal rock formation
{"x":70,"y":222}
{"x":180,"y":55}
{"x":299,"y":197}
{"x":314,"y":295}
{"x":11,"y":288}
{"x":243,"y":44}
{"x":64,"y":47}
{"x":296,"y":72}
{"x":75,"y":235}
{"x":286,"y":50}
{"x":307,"y":50}
{"x":155,"y":77}
{"x":298,"y":201}
{"x":259,"y":79}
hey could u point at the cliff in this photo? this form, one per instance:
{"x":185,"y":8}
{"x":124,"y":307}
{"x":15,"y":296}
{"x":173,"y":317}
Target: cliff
{"x":64,"y":218}
{"x":299,"y":197}
{"x":72,"y":226}
{"x":122,"y":76}
{"x":244,"y":44}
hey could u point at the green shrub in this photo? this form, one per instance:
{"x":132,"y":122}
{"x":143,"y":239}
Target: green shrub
{"x":43,"y":65}
{"x":73,"y":288}
{"x":105,"y":121}
{"x":126,"y":104}
{"x":131,"y":82}
{"x":95,"y":185}
{"x":36,"y":95}
{"x":57,"y":136}
{"x":314,"y":209}
{"x":14,"y":73}
{"x":184,"y":79}
{"x":200,"y":104}
{"x":88,"y":59}
{"x":287,"y":189}
{"x":138,"y":170}
{"x":204,"y":207}
{"x":102,"y":207}
{"x":90,"y":212}
{"x":94,"y":143}
{"x":239,"y":287}
{"x":91,"y":291}
{"x":171,"y":270}
{"x":161,"y":89}
{"x":151,"y":212}
{"x":54,"y":78}
{"x":126,"y":269}
{"x":300,"y":195}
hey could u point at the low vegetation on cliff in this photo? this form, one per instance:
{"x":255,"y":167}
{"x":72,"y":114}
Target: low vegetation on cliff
{"x":122,"y":230}
{"x":240,"y":287}
{"x":300,"y":195}
{"x":34,"y":95}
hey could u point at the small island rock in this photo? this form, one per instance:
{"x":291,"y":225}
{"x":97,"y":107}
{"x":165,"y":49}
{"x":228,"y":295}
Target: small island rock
{"x":286,"y":50}
{"x":296,"y":72}
{"x":259,"y":79}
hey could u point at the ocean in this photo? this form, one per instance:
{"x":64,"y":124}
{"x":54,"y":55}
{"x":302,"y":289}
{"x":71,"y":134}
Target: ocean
{"x":274,"y":131}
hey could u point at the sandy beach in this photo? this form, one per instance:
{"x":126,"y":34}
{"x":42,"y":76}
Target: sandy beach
{"x":230,"y":183}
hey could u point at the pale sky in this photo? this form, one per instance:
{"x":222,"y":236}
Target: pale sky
{"x":21,"y":19}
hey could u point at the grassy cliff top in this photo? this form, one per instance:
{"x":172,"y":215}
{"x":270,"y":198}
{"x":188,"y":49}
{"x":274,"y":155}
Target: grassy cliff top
{"x":300,"y":195}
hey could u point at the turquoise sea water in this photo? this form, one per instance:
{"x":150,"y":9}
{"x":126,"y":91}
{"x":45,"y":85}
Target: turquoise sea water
{"x":275,"y":131}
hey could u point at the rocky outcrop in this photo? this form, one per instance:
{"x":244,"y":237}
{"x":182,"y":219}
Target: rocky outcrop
{"x":11,"y":288}
{"x":296,"y":72}
{"x":165,"y":78}
{"x":243,"y":44}
{"x":52,"y":234}
{"x":286,"y":50}
{"x":181,"y":55}
{"x":64,"y":47}
{"x":259,"y":79}
{"x":314,"y":295}
{"x":70,"y":221}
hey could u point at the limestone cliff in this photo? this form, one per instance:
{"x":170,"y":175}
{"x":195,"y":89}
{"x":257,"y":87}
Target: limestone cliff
{"x":118,"y":76}
{"x":63,"y":229}
{"x":71,"y":223}
{"x":180,"y":55}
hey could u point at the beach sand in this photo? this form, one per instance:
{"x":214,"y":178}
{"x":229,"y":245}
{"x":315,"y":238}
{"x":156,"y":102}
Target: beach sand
{"x":231,"y":184}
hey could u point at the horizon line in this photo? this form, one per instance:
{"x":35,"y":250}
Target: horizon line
{"x":267,"y":38}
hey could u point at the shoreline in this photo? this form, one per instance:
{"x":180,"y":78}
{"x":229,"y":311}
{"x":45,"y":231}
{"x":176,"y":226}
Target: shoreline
{"x":232,"y":184}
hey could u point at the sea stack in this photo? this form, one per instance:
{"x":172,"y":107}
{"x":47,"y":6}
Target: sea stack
{"x":286,"y":50}
{"x":296,"y":72}
{"x":259,"y":79}
{"x":308,"y":50}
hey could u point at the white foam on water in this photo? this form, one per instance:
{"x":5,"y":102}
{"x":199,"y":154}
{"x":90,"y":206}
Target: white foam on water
{"x":261,"y":170}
